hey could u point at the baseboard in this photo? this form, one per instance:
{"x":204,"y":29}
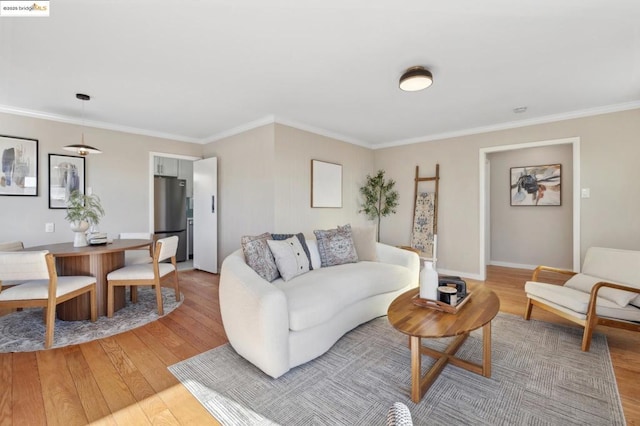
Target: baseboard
{"x":459,"y":274}
{"x":512,"y":265}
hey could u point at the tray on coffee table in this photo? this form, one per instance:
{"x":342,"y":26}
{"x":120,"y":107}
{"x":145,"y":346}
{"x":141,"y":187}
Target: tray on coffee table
{"x":440,"y":306}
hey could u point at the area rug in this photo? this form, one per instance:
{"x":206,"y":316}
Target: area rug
{"x":24,"y":331}
{"x":539,"y":377}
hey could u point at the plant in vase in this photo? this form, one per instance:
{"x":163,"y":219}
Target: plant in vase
{"x":380,"y":199}
{"x":83,"y":211}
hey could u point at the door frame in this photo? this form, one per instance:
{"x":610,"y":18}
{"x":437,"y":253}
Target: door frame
{"x":153,"y":154}
{"x":484,"y":204}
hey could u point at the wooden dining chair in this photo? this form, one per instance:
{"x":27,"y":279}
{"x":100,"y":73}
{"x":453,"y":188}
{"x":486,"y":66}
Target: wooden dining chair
{"x":147,"y":274}
{"x":42,"y":287}
{"x":137,"y":256}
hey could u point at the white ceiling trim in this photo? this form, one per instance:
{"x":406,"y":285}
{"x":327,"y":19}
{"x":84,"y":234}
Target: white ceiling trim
{"x":321,"y":132}
{"x":267,"y":119}
{"x":514,"y":124}
{"x":97,"y":124}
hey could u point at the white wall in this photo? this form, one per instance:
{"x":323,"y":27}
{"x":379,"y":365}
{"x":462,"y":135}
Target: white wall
{"x":524,"y":236}
{"x":609,"y":160}
{"x":264,"y":182}
{"x":119,"y":176}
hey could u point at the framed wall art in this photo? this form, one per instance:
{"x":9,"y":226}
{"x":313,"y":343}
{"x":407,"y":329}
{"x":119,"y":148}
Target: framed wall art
{"x":66,"y":174}
{"x":536,"y":185}
{"x":19,"y":161}
{"x":326,"y":184}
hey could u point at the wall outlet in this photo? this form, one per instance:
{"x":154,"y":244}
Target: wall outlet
{"x":49,"y":227}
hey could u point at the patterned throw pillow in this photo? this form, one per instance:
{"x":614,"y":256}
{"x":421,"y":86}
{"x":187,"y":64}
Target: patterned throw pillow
{"x":290,"y":257}
{"x":336,"y":246}
{"x":302,"y":240}
{"x":258,"y":256}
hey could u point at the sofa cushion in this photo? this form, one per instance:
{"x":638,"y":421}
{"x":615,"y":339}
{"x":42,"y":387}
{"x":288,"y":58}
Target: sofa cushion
{"x":258,"y":256}
{"x":302,"y":240}
{"x":336,"y":246}
{"x":317,"y":296}
{"x":578,"y":301}
{"x":290,"y":257}
{"x":364,"y":240}
{"x":314,"y":254}
{"x":585,"y":283}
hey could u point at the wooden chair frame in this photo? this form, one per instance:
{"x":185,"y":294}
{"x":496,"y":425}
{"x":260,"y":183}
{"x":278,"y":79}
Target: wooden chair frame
{"x":154,"y":282}
{"x":52,"y":301}
{"x":592,"y":319}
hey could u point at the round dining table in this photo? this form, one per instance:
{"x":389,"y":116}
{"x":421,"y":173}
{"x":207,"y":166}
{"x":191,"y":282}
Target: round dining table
{"x":93,"y":260}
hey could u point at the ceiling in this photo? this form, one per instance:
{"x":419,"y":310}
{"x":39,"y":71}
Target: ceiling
{"x":198,"y":70}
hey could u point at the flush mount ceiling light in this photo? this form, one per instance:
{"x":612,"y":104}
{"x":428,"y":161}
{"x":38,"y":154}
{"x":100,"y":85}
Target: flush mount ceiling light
{"x":416,"y":78}
{"x":81,"y":148}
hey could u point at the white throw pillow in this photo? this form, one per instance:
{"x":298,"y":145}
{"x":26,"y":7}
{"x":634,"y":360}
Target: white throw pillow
{"x":585,"y":283}
{"x":290,"y":257}
{"x":314,"y":254}
{"x":364,"y":238}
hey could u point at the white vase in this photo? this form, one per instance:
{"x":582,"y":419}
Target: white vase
{"x":79,"y":229}
{"x":428,"y":282}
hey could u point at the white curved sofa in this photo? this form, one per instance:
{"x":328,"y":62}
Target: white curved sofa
{"x":281,"y":324}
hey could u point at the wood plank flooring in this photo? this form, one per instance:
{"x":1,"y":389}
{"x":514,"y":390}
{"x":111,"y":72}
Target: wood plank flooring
{"x":124,"y":379}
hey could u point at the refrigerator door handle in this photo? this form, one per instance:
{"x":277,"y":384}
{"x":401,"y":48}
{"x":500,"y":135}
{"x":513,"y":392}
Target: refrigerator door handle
{"x":213,"y":204}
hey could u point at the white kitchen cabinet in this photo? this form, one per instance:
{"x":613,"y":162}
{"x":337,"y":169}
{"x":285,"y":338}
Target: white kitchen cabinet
{"x":164,"y":166}
{"x":185,"y":171}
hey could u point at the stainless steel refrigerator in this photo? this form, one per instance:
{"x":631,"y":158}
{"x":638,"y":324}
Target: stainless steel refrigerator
{"x":170,"y":211}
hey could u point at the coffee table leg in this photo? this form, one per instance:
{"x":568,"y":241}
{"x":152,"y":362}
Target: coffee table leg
{"x":486,"y":350}
{"x":416,"y":368}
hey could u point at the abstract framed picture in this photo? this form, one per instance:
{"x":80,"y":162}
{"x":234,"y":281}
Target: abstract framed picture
{"x":66,"y":174}
{"x":326,"y":184}
{"x":19,"y":161}
{"x":536,"y":185}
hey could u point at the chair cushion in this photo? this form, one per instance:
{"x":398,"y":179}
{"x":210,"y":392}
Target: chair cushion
{"x":39,"y":289}
{"x":139,"y":272}
{"x":585,"y":283}
{"x":577,"y":302}
{"x":316,"y":297}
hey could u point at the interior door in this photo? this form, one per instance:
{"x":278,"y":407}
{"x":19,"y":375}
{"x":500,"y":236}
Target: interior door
{"x":205,"y":215}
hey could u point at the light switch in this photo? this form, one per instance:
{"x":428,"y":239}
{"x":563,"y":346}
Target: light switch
{"x":586,"y":192}
{"x":49,"y":227}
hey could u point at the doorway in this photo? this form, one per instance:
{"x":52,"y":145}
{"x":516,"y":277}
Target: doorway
{"x":169,"y":166}
{"x":484,"y":196}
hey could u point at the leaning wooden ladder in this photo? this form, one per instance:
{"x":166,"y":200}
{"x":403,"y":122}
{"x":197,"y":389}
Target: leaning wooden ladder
{"x":424,"y":232}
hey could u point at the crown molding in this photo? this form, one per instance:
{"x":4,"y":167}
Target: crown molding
{"x":513,"y":124}
{"x":321,"y":132}
{"x":267,"y":119}
{"x":96,"y":124}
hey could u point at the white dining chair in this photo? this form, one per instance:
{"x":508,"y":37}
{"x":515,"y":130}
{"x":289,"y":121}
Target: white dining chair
{"x":137,"y":256}
{"x":12,"y":246}
{"x":147,"y":274}
{"x":42,"y":287}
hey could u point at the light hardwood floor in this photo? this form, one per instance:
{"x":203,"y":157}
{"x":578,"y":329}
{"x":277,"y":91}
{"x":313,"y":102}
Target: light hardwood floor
{"x":124,"y":380}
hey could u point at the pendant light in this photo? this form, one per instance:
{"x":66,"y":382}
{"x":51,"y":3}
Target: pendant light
{"x":81,"y":148}
{"x":416,"y":78}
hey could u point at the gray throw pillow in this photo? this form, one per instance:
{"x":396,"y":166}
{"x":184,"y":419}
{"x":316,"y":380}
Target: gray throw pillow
{"x":259,"y":257}
{"x":336,"y":246}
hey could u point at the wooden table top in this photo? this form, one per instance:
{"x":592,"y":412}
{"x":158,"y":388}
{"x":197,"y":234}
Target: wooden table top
{"x":67,"y":249}
{"x":413,"y":320}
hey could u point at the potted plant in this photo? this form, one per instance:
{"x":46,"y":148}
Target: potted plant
{"x":380,"y":199}
{"x":83,"y":211}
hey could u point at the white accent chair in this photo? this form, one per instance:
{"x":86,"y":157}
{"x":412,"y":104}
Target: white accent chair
{"x":147,"y":274}
{"x":42,"y":287}
{"x":137,"y":256}
{"x":12,"y":246}
{"x":606,"y":292}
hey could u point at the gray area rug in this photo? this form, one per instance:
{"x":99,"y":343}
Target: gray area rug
{"x":24,"y":331}
{"x":539,"y":377}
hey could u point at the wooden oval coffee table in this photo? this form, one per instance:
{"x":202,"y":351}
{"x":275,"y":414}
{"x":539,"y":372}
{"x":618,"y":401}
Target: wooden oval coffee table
{"x":419,"y":323}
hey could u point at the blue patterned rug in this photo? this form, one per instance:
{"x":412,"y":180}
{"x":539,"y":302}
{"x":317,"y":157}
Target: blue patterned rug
{"x":539,"y":377}
{"x":24,"y":331}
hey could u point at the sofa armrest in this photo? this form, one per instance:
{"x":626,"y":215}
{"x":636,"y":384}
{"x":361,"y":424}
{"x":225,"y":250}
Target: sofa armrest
{"x":398,"y":256}
{"x":255,"y":316}
{"x":542,"y":268}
